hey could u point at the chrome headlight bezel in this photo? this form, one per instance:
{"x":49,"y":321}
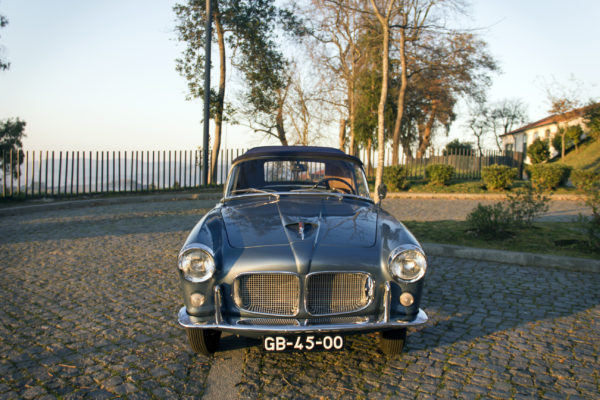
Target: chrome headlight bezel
{"x":184,"y":263}
{"x":403,"y":254}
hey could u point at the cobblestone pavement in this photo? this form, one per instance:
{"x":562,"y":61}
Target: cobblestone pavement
{"x":89,"y":301}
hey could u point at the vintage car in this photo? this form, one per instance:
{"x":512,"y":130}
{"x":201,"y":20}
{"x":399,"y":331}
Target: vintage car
{"x":298,"y":254}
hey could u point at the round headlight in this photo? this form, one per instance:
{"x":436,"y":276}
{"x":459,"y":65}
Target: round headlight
{"x":197,"y":264}
{"x":408,"y":265}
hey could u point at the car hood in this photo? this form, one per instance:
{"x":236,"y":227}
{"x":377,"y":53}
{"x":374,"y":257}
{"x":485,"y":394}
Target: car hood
{"x":316,"y":220}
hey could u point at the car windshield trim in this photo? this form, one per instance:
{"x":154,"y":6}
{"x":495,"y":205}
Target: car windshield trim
{"x":254,"y":191}
{"x":298,"y":192}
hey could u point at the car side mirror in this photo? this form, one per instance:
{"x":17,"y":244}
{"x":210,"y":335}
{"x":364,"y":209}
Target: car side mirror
{"x":382,"y":191}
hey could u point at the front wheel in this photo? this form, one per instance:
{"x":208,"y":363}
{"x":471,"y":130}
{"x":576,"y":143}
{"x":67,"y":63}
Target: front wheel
{"x":203,"y":341}
{"x":392,"y":342}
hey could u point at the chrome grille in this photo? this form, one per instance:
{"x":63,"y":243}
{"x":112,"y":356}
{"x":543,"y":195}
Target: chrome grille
{"x":269,"y":293}
{"x":268,"y":321}
{"x":335,"y":293}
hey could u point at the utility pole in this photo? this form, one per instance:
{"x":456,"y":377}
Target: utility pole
{"x":206,"y":92}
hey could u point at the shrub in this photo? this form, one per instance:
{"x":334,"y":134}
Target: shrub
{"x":524,"y":205}
{"x":519,"y":211}
{"x":439,"y":174}
{"x":585,"y":180}
{"x":591,"y":225}
{"x":538,"y":151}
{"x":557,"y":142}
{"x":395,"y":177}
{"x":498,"y":177}
{"x":548,"y":176}
{"x":491,"y":221}
{"x":458,"y":147}
{"x":574,"y":134}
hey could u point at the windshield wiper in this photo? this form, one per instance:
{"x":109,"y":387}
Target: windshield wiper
{"x":325,"y":192}
{"x":256,"y":191}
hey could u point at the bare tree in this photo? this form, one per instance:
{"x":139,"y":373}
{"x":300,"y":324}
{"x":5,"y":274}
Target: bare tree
{"x":504,"y":116}
{"x":562,"y":98}
{"x":336,"y":25}
{"x":305,"y":110}
{"x":478,"y":122}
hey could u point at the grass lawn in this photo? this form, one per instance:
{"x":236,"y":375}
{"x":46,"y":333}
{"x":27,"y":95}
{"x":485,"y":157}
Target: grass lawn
{"x":559,"y":238}
{"x":588,"y":156}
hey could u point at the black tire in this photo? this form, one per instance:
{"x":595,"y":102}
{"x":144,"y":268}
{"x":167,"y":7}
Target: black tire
{"x":392,"y":342}
{"x":203,"y":341}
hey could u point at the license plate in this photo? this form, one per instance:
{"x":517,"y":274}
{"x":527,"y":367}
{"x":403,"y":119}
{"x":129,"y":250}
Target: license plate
{"x":303,"y":343}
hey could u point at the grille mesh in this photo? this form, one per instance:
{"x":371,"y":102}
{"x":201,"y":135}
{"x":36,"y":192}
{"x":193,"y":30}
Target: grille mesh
{"x":337,"y":320}
{"x":334,"y":293}
{"x":268,"y":321}
{"x":272,"y":293}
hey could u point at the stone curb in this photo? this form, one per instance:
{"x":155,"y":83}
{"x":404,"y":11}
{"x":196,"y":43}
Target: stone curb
{"x":59,"y":205}
{"x":474,"y":196}
{"x":513,"y":257}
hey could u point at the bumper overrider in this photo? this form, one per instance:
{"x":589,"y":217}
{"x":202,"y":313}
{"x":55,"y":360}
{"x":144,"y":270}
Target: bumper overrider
{"x":262,"y":325}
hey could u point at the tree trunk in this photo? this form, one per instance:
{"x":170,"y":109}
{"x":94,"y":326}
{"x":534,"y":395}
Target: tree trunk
{"x":352,"y":109}
{"x":214,"y":164}
{"x":342,"y":134}
{"x":479,"y":144}
{"x":369,"y":157}
{"x":384,"y":20}
{"x":279,"y":125}
{"x":426,"y":135}
{"x":401,"y":94}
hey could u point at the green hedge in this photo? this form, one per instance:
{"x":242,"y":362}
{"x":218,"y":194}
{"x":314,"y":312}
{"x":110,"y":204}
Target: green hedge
{"x":439,"y":174}
{"x":395,"y":177}
{"x":548,"y":176}
{"x":584,"y":179}
{"x":498,"y":177}
{"x":538,"y":151}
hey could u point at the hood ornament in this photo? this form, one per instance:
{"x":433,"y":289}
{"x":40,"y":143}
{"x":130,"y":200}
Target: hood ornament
{"x":301,"y":228}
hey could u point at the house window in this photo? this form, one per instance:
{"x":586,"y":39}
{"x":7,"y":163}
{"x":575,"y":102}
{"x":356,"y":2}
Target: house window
{"x":535,"y":135}
{"x":509,"y":147}
{"x":547,"y":134}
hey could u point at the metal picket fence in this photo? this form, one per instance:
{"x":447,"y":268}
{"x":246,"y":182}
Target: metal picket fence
{"x":66,"y":173}
{"x":468,"y":164}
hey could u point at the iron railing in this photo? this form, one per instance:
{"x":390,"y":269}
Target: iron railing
{"x":66,"y":173}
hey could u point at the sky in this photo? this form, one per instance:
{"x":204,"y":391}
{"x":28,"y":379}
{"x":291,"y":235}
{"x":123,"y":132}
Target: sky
{"x":100,"y":75}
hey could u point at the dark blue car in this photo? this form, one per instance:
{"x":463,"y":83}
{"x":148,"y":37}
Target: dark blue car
{"x":298,"y":254}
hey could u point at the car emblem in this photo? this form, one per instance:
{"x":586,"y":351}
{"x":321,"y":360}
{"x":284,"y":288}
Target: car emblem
{"x":301,"y":230}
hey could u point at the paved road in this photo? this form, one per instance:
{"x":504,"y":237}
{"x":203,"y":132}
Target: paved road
{"x":89,"y":300}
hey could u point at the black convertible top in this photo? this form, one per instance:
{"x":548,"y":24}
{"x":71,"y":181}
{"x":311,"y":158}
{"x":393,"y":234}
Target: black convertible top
{"x":292,"y":151}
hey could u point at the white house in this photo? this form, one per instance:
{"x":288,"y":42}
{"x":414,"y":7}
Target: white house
{"x":546,"y":128}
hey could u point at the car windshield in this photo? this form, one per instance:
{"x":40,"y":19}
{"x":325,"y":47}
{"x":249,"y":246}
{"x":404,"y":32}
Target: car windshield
{"x":295,"y":174}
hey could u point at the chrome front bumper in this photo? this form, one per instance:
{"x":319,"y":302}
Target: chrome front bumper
{"x":248,"y":325}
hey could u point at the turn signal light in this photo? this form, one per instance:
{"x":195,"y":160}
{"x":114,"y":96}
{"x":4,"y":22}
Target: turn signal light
{"x":406,"y":299}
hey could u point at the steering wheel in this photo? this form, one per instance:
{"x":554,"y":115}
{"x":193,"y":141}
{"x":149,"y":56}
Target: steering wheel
{"x":326,"y":180}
